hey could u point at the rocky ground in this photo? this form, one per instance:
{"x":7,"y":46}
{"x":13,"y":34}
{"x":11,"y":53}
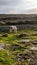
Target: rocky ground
{"x":18,"y":49}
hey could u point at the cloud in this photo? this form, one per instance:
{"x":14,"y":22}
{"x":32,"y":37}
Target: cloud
{"x":17,"y":6}
{"x":32,"y":11}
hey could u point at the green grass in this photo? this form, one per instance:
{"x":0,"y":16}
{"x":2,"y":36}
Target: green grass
{"x":13,"y":37}
{"x":7,"y":56}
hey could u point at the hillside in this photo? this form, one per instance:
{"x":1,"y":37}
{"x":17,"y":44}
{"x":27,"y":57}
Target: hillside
{"x":18,"y":48}
{"x":18,"y":19}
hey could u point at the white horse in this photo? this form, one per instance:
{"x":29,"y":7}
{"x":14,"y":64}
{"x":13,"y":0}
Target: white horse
{"x":13,"y":29}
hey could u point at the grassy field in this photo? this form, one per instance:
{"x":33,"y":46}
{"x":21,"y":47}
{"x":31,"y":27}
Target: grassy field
{"x":10,"y":55}
{"x":13,"y":37}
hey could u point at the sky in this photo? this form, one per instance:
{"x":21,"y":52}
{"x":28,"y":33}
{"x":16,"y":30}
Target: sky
{"x":18,"y":6}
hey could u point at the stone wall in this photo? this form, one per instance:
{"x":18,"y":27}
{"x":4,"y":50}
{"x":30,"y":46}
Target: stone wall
{"x":19,"y":27}
{"x":8,"y":28}
{"x":4,"y":28}
{"x":22,"y":27}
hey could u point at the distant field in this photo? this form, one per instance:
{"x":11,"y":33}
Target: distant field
{"x":13,"y":19}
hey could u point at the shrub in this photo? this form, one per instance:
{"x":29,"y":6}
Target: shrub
{"x":34,"y":34}
{"x":5,"y":35}
{"x":22,"y":35}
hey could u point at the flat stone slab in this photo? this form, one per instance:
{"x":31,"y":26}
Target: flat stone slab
{"x":26,"y":40}
{"x":1,"y":46}
{"x":33,"y":48}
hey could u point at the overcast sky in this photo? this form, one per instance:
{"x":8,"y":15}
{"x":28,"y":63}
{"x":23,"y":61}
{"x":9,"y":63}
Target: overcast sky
{"x":18,"y":6}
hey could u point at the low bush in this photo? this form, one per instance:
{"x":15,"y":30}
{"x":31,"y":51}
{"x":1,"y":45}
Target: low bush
{"x":22,"y":35}
{"x":34,"y":34}
{"x":5,"y":35}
